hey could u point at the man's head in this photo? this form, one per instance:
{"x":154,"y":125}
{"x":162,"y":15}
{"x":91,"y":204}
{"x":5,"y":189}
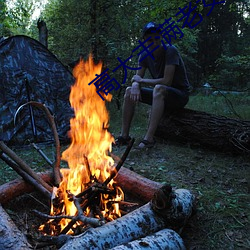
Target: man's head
{"x":151,"y":33}
{"x":150,"y":28}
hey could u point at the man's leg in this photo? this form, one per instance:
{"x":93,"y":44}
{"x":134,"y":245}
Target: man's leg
{"x":127,"y":113}
{"x":156,"y":112}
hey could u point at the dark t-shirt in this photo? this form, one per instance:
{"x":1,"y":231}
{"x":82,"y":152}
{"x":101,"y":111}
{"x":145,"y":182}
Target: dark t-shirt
{"x":169,"y":56}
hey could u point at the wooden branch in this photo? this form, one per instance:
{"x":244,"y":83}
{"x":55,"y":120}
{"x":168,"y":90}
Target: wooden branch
{"x":10,"y":237}
{"x":86,"y":220}
{"x":42,"y":154}
{"x":212,"y":131}
{"x":86,"y":162}
{"x":51,"y":217}
{"x":26,"y":176}
{"x":120,"y":163}
{"x":57,"y":174}
{"x":23,"y":165}
{"x":79,"y":217}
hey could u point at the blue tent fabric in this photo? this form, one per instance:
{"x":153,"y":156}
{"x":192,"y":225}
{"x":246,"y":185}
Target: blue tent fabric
{"x":29,"y":71}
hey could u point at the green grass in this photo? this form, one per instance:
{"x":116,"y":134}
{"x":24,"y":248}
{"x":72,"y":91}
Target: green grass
{"x":233,"y":106}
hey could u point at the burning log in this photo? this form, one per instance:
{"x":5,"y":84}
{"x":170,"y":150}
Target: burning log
{"x":163,"y":239}
{"x":216,"y":132}
{"x":165,"y":210}
{"x":10,"y":237}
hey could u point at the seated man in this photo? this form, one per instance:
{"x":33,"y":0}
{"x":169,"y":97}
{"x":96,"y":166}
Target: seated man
{"x":169,"y":85}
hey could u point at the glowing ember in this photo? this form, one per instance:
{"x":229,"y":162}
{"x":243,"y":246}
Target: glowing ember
{"x":87,"y":157}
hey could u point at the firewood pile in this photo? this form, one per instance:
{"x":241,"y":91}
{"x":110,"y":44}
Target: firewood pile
{"x":155,"y":222}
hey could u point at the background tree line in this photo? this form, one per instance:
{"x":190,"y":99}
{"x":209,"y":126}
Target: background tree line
{"x":217,"y":50}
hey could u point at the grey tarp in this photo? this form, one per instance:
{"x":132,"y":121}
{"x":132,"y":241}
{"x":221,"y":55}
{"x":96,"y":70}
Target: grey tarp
{"x":29,"y":71}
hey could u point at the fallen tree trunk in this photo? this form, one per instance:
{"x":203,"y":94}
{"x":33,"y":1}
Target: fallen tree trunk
{"x":10,"y":237}
{"x":212,"y":131}
{"x":150,"y":218}
{"x":163,"y":239}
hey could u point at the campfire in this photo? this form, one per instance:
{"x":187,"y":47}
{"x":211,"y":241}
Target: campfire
{"x":87,"y":198}
{"x":87,"y":188}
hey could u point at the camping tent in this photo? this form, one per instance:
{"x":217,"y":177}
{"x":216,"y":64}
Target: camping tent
{"x":29,"y":71}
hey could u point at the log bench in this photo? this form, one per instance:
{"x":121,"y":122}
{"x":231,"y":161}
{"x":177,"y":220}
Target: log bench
{"x":211,"y":131}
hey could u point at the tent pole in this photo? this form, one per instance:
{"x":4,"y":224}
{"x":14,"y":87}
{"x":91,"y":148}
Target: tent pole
{"x":33,"y":125}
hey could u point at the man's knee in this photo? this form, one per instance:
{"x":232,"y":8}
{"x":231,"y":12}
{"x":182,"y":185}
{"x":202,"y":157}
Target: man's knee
{"x":159,"y":90}
{"x":127,"y":92}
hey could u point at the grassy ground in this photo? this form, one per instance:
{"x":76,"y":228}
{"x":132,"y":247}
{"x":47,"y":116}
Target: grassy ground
{"x":220,"y":180}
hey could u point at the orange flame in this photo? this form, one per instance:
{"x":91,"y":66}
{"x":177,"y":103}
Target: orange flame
{"x":90,"y":138}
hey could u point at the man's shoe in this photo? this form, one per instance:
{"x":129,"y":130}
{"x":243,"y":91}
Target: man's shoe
{"x":145,"y":144}
{"x":121,"y":141}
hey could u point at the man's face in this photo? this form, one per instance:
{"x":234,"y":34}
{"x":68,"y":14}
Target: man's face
{"x":154,"y":38}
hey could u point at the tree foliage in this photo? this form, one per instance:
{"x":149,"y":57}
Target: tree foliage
{"x":4,"y":24}
{"x":216,"y":50}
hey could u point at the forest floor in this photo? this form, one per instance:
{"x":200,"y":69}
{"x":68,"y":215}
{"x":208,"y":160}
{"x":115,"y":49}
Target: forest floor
{"x":219,"y":180}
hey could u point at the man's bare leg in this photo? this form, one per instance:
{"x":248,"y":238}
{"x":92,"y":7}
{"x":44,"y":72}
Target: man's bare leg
{"x":128,"y":110}
{"x":156,"y":113}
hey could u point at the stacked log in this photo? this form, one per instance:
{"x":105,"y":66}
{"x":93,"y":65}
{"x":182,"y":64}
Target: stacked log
{"x":167,"y":209}
{"x":10,"y":237}
{"x":163,"y":239}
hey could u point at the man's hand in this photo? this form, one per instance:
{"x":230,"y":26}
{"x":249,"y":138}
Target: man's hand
{"x":136,"y":78}
{"x":135,"y":93}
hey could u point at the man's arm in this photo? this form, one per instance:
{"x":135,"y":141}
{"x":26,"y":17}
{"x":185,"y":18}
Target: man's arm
{"x":166,"y":80}
{"x":135,"y":93}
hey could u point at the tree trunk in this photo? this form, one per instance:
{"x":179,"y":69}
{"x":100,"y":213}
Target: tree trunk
{"x":10,"y":237}
{"x":43,"y":32}
{"x":212,"y":131}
